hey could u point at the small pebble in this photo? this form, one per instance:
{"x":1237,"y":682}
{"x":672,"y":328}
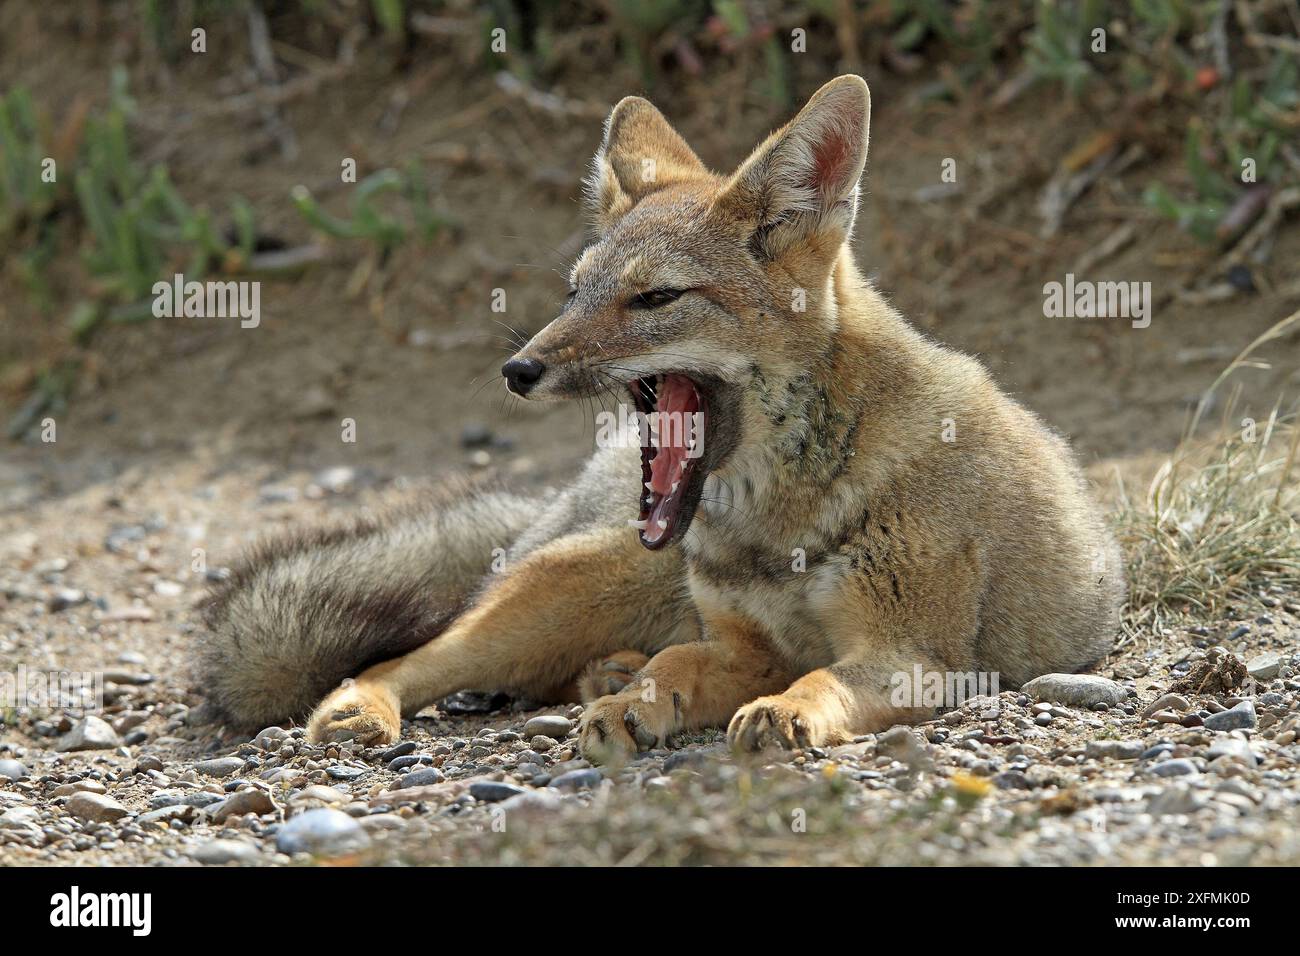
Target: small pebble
{"x":491,"y":791}
{"x":548,"y":725}
{"x":95,"y":807}
{"x":1240,"y":717}
{"x":322,"y":832}
{"x":421,"y":778}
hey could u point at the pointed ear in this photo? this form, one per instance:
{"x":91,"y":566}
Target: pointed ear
{"x":641,"y":153}
{"x":802,"y":183}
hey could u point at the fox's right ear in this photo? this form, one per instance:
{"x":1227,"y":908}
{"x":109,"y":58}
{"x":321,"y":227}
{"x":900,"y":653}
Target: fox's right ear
{"x":641,"y":153}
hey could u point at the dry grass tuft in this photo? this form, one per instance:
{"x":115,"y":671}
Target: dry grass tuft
{"x":1221,"y":519}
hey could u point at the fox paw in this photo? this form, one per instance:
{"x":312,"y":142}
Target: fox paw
{"x":771,"y":721}
{"x":609,"y":676}
{"x":616,"y":727}
{"x":361,"y":712}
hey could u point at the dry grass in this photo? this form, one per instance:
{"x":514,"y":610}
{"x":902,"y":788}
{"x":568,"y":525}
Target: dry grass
{"x":1221,"y":519}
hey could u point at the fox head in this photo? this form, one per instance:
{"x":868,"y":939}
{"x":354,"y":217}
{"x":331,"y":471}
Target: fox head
{"x":704,"y":296}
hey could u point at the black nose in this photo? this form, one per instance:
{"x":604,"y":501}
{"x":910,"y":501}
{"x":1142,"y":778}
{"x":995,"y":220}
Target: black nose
{"x":522,"y":374}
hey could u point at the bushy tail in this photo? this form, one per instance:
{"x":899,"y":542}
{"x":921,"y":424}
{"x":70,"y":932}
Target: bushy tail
{"x":301,"y":613}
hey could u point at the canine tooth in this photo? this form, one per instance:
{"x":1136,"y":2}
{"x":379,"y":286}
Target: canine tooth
{"x":663,"y":524}
{"x":639,"y":525}
{"x":649,"y":486}
{"x":674,"y":487}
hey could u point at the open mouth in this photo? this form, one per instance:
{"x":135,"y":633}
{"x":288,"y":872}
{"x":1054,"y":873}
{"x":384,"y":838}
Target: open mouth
{"x":675,"y":411}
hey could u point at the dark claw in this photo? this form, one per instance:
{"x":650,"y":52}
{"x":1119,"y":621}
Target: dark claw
{"x":800,"y":733}
{"x":644,"y":739}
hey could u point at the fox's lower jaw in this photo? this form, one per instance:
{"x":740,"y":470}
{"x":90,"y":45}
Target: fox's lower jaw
{"x":687,"y":425}
{"x":676,"y":415}
{"x":687,"y":434}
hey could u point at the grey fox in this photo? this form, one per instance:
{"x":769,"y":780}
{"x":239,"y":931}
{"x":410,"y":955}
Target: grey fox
{"x":852,"y":501}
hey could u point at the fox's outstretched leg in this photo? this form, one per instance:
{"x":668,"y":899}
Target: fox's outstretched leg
{"x":684,"y":687}
{"x":574,"y":601}
{"x":883,"y":646}
{"x":828,"y":706}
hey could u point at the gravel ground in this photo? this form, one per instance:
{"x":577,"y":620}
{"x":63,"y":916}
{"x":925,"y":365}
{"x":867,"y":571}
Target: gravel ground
{"x":1181,"y":751}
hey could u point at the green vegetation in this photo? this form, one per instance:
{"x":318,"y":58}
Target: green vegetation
{"x":1227,"y":75}
{"x":368,"y":220}
{"x":27,"y":194}
{"x":133,"y":227}
{"x":1059,"y":46}
{"x":1178,"y":48}
{"x":138,"y":226}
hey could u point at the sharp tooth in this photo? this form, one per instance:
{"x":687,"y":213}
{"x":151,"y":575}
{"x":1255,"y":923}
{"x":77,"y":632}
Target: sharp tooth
{"x":639,"y":525}
{"x":663,"y":524}
{"x":681,"y":465}
{"x":649,"y":486}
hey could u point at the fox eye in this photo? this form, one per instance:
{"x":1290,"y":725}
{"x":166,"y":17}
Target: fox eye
{"x":655,"y":298}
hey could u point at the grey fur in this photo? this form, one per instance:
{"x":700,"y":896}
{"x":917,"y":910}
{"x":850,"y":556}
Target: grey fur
{"x":300,"y":613}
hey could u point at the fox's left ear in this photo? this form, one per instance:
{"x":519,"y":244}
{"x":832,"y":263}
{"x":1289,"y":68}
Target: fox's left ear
{"x":641,"y":153}
{"x":802,"y":183}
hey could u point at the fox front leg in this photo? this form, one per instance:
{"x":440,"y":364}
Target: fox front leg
{"x":883,"y":638}
{"x":684,"y":687}
{"x":364,"y":711}
{"x":832,"y":705}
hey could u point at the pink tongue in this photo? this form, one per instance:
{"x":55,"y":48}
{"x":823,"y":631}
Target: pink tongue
{"x":677,"y":403}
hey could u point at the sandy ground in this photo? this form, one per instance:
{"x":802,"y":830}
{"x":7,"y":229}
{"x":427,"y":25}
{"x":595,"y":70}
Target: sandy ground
{"x":103,"y":579}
